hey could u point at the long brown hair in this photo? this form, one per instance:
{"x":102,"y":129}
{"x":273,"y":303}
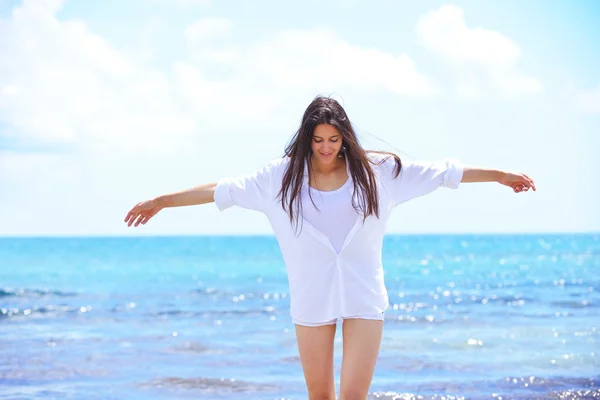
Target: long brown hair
{"x":325,"y":110}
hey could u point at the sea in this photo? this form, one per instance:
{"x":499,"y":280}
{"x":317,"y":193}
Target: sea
{"x":512,"y":316}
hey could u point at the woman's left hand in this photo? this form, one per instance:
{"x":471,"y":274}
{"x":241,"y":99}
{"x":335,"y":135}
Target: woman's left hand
{"x":517,"y":182}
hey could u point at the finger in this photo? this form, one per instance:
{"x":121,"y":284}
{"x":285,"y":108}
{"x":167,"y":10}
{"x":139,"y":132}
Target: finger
{"x":132,"y":212}
{"x":533,"y":185}
{"x":133,"y":219}
{"x":139,"y":219}
{"x":132,"y":216}
{"x":531,"y":182}
{"x":526,"y":184}
{"x":129,"y":214}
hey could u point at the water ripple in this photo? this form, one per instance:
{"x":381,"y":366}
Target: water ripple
{"x":203,"y":385}
{"x":21,"y":292}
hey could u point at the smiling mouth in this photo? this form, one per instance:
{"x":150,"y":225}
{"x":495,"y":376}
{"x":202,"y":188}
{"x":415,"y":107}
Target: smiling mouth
{"x":328,"y":154}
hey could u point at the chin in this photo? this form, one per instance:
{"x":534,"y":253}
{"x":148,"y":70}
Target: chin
{"x":329,"y":159}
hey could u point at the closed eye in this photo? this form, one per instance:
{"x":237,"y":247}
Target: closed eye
{"x":331,"y":140}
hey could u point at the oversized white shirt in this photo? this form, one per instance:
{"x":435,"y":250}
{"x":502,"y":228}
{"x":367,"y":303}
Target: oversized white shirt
{"x":326,"y":284}
{"x":330,"y":212}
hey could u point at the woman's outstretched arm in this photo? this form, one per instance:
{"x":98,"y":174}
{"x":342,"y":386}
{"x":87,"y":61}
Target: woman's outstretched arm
{"x":142,"y":212}
{"x":190,"y":197}
{"x":517,"y":181}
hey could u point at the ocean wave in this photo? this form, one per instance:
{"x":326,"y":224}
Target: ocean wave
{"x":26,"y":374}
{"x":22,"y":292}
{"x":458,"y":299}
{"x":215,"y":313}
{"x":586,"y":394}
{"x":515,"y":388}
{"x":57,"y":310}
{"x":192,"y":348}
{"x":9,"y":312}
{"x":584,"y":303}
{"x":204,"y":385}
{"x":236,"y":296}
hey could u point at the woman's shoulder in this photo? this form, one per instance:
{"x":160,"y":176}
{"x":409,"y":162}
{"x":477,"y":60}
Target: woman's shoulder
{"x":279,"y":162}
{"x":277,"y":165}
{"x":384,"y":162}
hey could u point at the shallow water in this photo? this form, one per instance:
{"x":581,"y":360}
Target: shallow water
{"x":473,"y":317}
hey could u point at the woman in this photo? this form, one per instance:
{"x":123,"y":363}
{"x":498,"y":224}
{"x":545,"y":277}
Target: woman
{"x":328,"y":201}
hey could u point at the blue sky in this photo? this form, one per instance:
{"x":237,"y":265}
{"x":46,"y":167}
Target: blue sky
{"x":104,"y":104}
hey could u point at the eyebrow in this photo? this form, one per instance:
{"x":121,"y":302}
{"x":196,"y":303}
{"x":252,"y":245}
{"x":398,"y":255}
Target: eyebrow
{"x":330,"y":137}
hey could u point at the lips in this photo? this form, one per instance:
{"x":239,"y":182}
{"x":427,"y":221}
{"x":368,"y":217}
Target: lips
{"x":326,"y":155}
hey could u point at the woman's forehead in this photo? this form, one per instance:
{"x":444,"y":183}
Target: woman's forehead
{"x":325,"y":131}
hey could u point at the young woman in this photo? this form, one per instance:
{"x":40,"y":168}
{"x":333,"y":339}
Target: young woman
{"x":328,"y":201}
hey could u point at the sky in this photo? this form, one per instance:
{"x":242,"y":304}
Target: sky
{"x":105,"y":104}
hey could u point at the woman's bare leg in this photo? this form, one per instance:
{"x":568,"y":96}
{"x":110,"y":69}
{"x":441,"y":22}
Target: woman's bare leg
{"x":315,"y":345}
{"x":362,"y":339}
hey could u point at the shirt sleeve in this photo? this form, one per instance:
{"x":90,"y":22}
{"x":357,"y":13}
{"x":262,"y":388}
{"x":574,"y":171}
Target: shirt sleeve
{"x":251,"y":191}
{"x":418,"y":178}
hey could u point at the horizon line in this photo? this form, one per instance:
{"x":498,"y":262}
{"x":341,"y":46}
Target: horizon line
{"x":246,"y":235}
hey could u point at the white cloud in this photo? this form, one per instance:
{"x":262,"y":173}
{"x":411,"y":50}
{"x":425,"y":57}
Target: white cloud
{"x":208,"y":28}
{"x":129,"y":130}
{"x":192,"y":3}
{"x":264,"y":86}
{"x":587,"y":101}
{"x":52,"y":6}
{"x":184,"y":4}
{"x":318,"y":60}
{"x":62,"y":82}
{"x":474,"y":52}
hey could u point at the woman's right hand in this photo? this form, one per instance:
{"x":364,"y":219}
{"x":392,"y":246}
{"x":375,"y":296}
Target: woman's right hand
{"x":142,"y":212}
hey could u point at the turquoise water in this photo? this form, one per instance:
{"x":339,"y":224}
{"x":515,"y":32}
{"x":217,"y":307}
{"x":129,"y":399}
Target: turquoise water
{"x":474,"y":317}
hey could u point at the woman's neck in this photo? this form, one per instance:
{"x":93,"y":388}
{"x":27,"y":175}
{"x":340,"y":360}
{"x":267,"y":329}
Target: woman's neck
{"x":325,"y":169}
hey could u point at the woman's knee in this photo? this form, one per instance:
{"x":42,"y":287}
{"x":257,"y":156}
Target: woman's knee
{"x":353,"y":395}
{"x":321,"y":395}
{"x":321,"y":390}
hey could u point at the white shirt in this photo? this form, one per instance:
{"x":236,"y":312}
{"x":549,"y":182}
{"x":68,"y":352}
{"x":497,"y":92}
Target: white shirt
{"x":324,"y":283}
{"x":330,"y":212}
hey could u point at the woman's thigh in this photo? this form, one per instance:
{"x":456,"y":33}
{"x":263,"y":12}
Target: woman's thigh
{"x":315,"y":345}
{"x":361,"y":342}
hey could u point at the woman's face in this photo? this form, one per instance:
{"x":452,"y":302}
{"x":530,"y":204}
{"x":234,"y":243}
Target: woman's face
{"x":326,"y":143}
